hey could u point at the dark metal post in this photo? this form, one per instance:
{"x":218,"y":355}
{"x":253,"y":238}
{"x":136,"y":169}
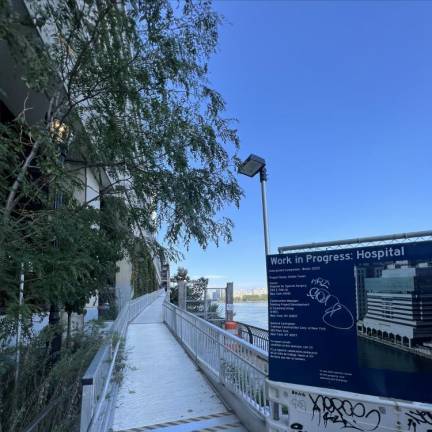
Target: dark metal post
{"x":229,"y":300}
{"x":263,"y":180}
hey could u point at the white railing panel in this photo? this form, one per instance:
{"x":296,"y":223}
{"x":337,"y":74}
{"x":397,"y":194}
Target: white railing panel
{"x":241,"y":367}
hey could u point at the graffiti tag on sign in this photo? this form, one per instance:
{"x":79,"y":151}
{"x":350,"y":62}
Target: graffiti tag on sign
{"x":416,"y":418}
{"x":336,"y":315}
{"x":348,"y":414}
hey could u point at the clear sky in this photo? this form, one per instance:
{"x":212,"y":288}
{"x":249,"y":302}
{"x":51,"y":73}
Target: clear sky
{"x":337,"y":97}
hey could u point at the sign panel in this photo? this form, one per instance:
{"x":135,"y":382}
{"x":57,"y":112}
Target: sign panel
{"x":357,"y":319}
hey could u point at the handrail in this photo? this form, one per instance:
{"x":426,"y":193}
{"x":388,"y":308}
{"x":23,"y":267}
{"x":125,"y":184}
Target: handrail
{"x":256,"y":336}
{"x":239,"y":366}
{"x":233,"y":348}
{"x":260,"y":351}
{"x":97,"y":380}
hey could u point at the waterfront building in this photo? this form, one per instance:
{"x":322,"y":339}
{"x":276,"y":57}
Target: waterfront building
{"x":399,"y":304}
{"x":360,"y":273}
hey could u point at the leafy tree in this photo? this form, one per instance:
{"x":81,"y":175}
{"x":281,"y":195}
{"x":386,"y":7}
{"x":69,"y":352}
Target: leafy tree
{"x":143,"y":271}
{"x":181,"y":275}
{"x":196,"y":291}
{"x":125,"y":91}
{"x":127,"y":95}
{"x":195,"y":294}
{"x":197,"y":288}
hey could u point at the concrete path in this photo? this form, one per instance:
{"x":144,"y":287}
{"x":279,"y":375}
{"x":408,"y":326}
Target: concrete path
{"x":162,"y":388}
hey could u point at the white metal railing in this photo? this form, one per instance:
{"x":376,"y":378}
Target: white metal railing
{"x":238,"y":365}
{"x":97,"y":382}
{"x":317,"y":408}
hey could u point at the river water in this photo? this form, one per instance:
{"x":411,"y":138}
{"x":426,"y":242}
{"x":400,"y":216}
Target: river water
{"x":253,"y":313}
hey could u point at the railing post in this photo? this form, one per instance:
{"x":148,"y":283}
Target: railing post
{"x":86,"y":405}
{"x":205,"y":305}
{"x":196,"y":339}
{"x":181,"y":287}
{"x":251,"y":341}
{"x":220,"y":358}
{"x":229,"y":300}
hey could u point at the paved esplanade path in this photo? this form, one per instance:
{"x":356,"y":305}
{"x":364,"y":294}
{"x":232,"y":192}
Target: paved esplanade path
{"x":162,"y":389}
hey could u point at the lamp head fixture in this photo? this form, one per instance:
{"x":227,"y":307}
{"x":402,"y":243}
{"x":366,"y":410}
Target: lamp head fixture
{"x":252,"y":166}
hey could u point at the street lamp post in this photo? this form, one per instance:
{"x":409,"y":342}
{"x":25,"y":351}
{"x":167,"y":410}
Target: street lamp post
{"x":250,"y":167}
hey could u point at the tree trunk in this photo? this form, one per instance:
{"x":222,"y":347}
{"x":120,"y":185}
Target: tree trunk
{"x":10,"y":202}
{"x":56,"y":338}
{"x":68,"y":332}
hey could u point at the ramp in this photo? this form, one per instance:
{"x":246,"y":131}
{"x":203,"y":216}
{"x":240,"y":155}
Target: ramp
{"x":162,"y":389}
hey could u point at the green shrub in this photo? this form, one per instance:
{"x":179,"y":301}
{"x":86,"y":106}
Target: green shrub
{"x":43,"y":383}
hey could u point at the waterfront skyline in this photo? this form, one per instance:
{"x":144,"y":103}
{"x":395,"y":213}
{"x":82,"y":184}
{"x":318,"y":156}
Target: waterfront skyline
{"x":320,"y":88}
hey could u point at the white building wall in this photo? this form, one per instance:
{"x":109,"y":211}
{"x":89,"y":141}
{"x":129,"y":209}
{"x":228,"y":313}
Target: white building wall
{"x":92,"y":189}
{"x":123,"y":285}
{"x":89,"y":191}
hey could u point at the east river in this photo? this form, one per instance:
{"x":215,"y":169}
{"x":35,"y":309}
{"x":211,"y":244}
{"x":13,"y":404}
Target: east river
{"x":253,"y":313}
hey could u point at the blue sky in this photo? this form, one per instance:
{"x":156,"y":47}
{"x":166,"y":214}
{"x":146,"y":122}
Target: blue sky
{"x":337,"y":97}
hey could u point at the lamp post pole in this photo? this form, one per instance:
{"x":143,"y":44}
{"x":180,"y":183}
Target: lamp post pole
{"x":251,"y":167}
{"x":263,"y":180}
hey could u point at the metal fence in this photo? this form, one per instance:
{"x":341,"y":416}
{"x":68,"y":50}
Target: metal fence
{"x":239,"y":366}
{"x":97,"y":382}
{"x":254,"y":335}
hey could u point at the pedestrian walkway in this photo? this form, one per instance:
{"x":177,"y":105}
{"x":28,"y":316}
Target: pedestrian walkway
{"x":162,"y":388}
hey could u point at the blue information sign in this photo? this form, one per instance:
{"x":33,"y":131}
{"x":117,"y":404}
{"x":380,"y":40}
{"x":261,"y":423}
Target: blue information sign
{"x":357,"y":319}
